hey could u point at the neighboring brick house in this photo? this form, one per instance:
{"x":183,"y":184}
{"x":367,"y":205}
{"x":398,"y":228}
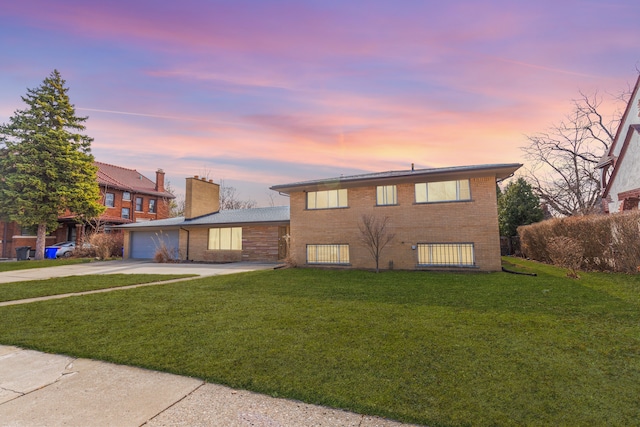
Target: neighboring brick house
{"x":128,"y":196}
{"x":445,"y":218}
{"x":207,"y":234}
{"x":620,"y":179}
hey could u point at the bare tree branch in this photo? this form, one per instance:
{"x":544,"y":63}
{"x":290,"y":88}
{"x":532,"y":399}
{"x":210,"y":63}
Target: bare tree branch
{"x":562,"y":169}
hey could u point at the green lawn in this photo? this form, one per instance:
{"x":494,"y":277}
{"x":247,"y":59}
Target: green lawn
{"x":39,"y":288}
{"x":24,"y":265}
{"x":441,"y":349}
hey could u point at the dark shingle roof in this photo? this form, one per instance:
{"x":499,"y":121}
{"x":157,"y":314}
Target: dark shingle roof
{"x":127,"y":180}
{"x":228,"y":217}
{"x":501,"y":171}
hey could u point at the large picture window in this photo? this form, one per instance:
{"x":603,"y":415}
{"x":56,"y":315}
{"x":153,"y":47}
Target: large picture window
{"x":446,"y":254}
{"x":386,"y":195}
{"x":327,"y":199}
{"x":225,"y":239}
{"x":443,"y":191}
{"x":327,"y":254}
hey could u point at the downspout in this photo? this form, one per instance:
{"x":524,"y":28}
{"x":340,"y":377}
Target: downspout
{"x":187,"y":251}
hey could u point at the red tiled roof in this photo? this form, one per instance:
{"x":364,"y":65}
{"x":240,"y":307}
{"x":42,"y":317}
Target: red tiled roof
{"x":125,"y":179}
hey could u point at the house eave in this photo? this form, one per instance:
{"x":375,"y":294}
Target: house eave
{"x":499,"y":171}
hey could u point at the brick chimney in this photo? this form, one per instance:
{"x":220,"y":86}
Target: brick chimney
{"x":160,"y":180}
{"x":202,"y":197}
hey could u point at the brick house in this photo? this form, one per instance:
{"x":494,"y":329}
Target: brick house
{"x":207,"y":234}
{"x":128,"y":196}
{"x":620,"y":180}
{"x":445,"y":218}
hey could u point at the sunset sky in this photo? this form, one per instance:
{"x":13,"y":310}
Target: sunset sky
{"x":260,"y":92}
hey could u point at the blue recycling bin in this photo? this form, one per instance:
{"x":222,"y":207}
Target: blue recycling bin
{"x":50,"y":253}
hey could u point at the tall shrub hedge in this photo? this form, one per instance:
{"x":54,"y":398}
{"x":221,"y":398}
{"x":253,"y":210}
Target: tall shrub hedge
{"x":607,"y":242}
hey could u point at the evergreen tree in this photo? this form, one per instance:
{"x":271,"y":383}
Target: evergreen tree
{"x":517,"y":206}
{"x":46,"y":165}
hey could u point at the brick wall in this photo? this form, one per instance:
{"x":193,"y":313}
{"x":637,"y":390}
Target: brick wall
{"x":162,"y":206}
{"x":474,"y":221}
{"x":202,"y":197}
{"x":259,"y":243}
{"x":10,"y":239}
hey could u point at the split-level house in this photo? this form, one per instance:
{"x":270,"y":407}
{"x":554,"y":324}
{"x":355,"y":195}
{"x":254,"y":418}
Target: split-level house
{"x":127,"y":195}
{"x":620,"y":179}
{"x":443,"y":218}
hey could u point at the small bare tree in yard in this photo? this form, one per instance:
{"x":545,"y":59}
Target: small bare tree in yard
{"x":374,"y":233}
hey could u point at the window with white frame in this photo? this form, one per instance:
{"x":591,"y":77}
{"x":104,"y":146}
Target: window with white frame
{"x":327,"y":254}
{"x":443,"y":191}
{"x":386,"y":195}
{"x":446,"y":254}
{"x":225,"y":239}
{"x":126,"y":196}
{"x":327,"y":199}
{"x":109,"y":200}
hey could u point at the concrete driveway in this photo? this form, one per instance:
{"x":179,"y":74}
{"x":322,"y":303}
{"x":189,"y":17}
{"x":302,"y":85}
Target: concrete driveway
{"x":131,"y":267}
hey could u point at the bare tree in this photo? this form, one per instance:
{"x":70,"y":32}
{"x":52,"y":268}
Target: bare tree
{"x":229,"y":199}
{"x":374,"y":233}
{"x":563,"y":160}
{"x":176,"y":206}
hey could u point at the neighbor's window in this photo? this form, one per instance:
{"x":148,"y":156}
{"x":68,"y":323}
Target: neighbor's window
{"x":327,"y":199}
{"x":152,"y":205}
{"x":29,"y":231}
{"x":225,"y":239}
{"x":327,"y":254}
{"x":109,"y":200}
{"x":126,"y":196}
{"x":443,"y":191}
{"x":446,"y":254}
{"x":386,"y":195}
{"x":125,"y":213}
{"x":138,"y":204}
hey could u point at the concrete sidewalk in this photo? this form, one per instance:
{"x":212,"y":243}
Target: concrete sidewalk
{"x":39,"y":389}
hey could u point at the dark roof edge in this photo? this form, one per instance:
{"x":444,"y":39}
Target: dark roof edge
{"x":502,"y":171}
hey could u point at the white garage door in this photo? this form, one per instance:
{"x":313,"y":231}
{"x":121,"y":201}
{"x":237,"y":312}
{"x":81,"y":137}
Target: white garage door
{"x":144,"y":244}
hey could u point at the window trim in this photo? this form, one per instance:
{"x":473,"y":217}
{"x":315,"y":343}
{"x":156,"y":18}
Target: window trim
{"x":338,"y":191}
{"x":426,"y":192}
{"x":384,"y":192}
{"x":219,"y":239}
{"x":113,"y":200}
{"x":340,"y":261}
{"x":451,"y":245}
